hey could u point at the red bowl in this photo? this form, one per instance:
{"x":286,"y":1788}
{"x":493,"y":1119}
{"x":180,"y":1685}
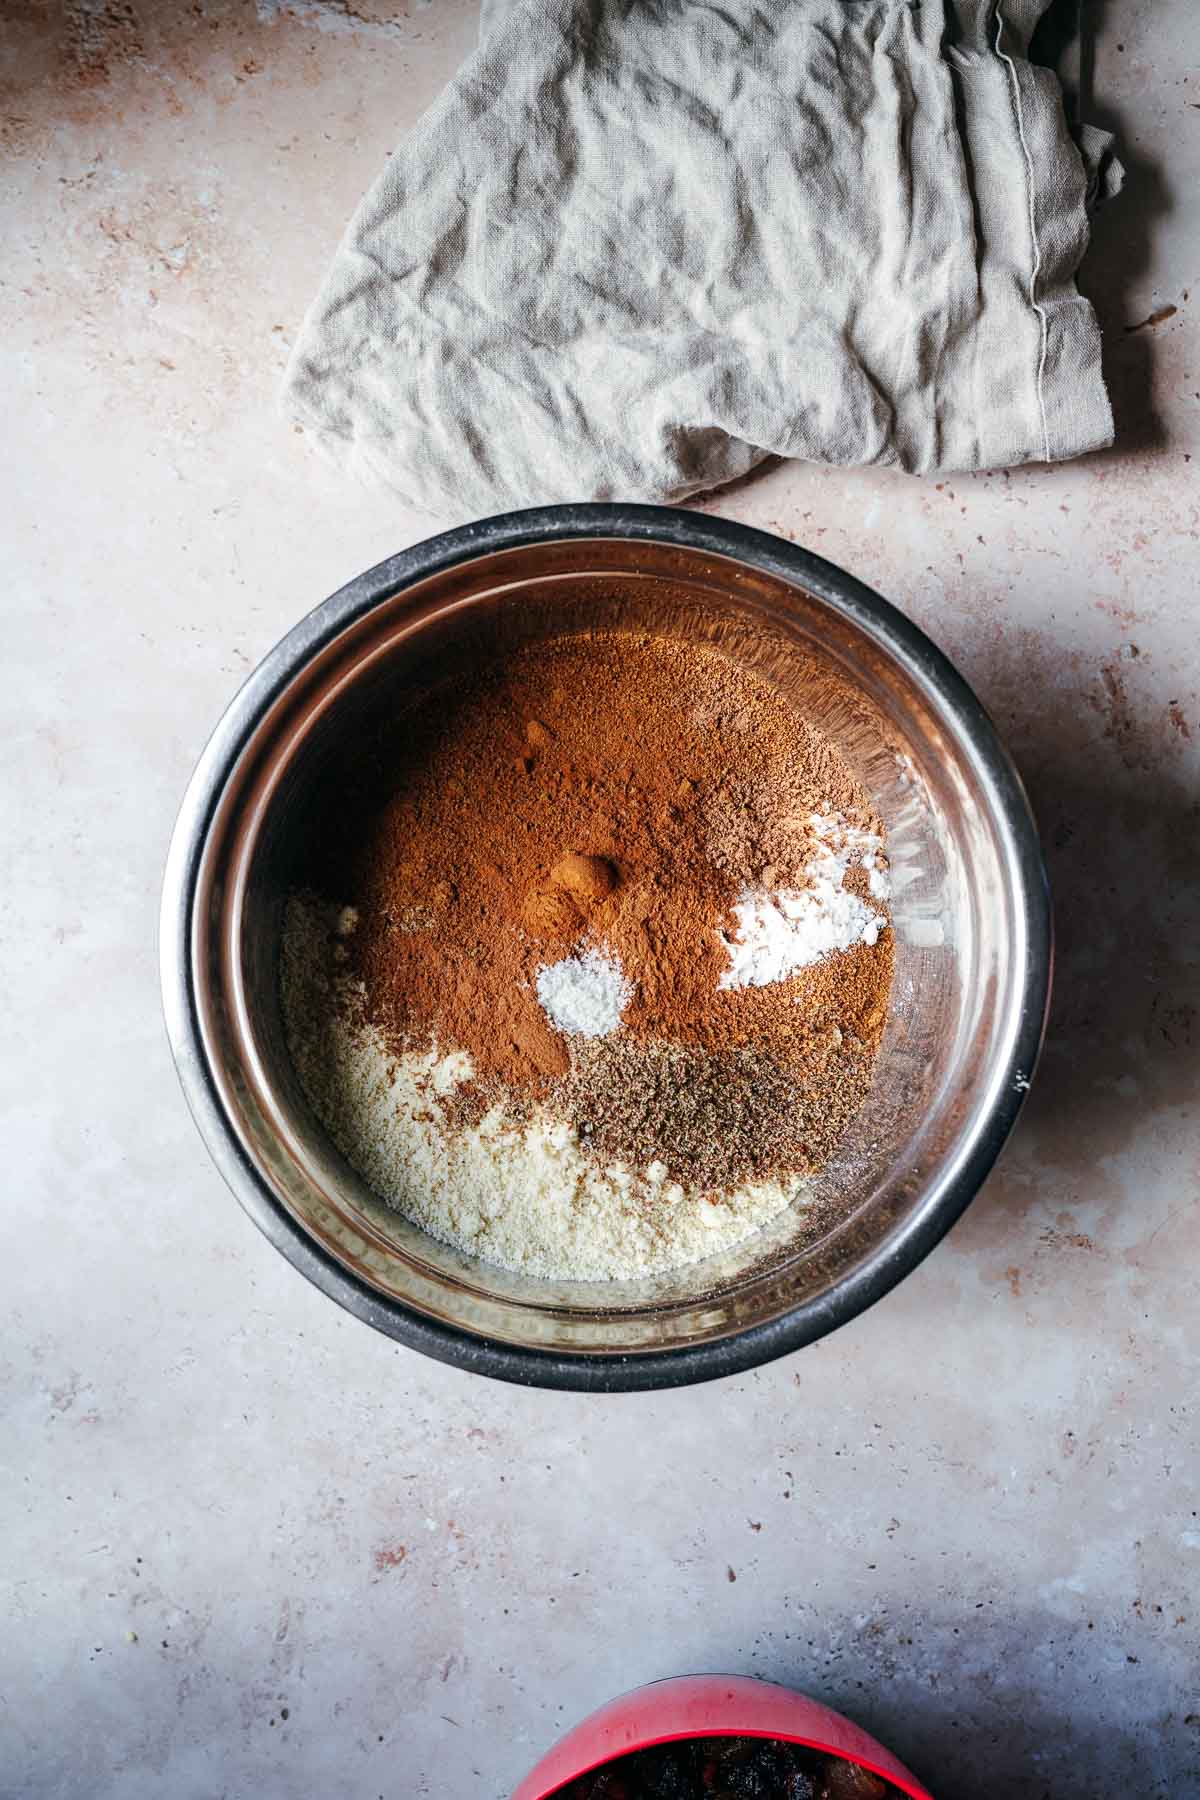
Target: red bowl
{"x":709,"y":1706}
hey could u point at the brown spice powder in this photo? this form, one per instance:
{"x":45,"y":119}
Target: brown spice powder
{"x":620,"y":790}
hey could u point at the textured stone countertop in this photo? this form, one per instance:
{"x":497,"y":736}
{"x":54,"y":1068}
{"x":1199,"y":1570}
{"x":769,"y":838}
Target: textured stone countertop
{"x":249,"y":1546}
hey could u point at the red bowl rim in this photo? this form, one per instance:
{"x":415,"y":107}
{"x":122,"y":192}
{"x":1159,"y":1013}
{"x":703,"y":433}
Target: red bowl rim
{"x":829,"y":1732}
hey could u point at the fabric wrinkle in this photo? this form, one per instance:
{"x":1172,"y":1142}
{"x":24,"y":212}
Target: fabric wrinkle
{"x":1036,"y":268}
{"x":633,"y":249}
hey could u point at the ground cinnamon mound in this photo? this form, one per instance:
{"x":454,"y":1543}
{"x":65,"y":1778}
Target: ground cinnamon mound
{"x":617,"y":790}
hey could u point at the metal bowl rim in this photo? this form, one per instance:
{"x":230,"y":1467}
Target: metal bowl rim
{"x":939,"y":1208}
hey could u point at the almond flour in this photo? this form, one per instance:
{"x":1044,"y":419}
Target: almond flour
{"x":514,"y":1186}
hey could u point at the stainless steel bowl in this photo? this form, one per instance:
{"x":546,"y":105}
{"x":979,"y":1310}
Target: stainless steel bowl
{"x":971,"y":915}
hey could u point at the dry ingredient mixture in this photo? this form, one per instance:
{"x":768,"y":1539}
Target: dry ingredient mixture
{"x":729,"y":1768}
{"x":590,"y":975}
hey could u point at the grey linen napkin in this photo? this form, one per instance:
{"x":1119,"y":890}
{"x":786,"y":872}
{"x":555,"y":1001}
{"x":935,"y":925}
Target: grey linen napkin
{"x":639,"y":245}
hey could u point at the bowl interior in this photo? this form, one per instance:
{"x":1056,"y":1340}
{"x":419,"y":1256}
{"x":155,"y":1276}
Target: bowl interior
{"x":960,"y":928}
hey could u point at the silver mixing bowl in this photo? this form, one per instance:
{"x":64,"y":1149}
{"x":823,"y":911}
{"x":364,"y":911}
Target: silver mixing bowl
{"x":970,"y":910}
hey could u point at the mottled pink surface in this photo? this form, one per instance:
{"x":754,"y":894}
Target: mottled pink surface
{"x":251,"y":1546}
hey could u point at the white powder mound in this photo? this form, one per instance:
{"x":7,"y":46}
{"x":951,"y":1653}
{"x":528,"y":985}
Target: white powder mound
{"x":518,"y":1193}
{"x":584,"y":995}
{"x":778,"y":933}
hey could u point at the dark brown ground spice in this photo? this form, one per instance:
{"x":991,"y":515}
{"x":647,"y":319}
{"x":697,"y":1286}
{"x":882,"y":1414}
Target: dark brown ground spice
{"x":617,"y":790}
{"x":774,"y":1091}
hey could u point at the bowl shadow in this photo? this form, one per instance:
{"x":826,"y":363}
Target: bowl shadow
{"x":1119,"y":817}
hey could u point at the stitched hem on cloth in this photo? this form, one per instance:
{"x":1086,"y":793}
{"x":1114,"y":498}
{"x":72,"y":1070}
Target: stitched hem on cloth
{"x":1036,"y":269}
{"x":1072,"y":396}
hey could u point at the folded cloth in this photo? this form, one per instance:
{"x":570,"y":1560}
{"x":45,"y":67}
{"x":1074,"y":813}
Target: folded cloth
{"x":639,"y":245}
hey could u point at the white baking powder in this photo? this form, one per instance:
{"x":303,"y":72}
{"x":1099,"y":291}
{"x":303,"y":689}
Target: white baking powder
{"x":785,"y":930}
{"x":584,"y":995}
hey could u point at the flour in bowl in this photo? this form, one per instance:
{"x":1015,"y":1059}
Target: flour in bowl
{"x":588,"y":968}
